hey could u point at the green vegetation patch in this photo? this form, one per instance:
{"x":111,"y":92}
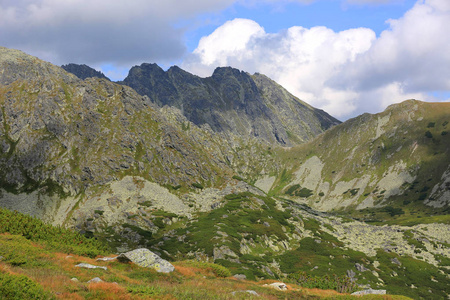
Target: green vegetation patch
{"x":57,"y":238}
{"x":218,"y":270}
{"x":297,"y":190}
{"x":19,"y":287}
{"x":342,"y":284}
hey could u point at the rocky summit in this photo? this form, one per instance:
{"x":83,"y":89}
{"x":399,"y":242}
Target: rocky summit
{"x":83,"y":71}
{"x":233,"y":102}
{"x":229,"y":173}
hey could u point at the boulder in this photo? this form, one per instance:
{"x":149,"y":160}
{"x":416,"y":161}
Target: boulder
{"x":278,"y":286}
{"x":370,"y":292}
{"x":361,"y":268}
{"x":240,"y":276}
{"x":95,"y":280}
{"x":251,"y":292}
{"x":147,"y":259}
{"x":89,"y":266}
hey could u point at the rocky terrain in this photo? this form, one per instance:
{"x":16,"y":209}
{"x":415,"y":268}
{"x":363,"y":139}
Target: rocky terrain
{"x":215,"y":181}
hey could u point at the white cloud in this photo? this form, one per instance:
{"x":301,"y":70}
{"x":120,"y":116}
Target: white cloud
{"x":300,"y":59}
{"x":347,"y":72}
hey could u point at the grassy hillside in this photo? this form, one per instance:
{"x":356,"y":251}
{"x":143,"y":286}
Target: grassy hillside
{"x":393,"y":166}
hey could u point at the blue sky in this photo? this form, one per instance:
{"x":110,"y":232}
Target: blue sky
{"x":332,"y":14}
{"x":344,"y":56}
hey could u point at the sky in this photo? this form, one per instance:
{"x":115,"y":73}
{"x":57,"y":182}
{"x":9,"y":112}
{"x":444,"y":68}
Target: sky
{"x":346,"y":57}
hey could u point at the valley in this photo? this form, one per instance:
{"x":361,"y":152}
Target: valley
{"x":232,"y":170}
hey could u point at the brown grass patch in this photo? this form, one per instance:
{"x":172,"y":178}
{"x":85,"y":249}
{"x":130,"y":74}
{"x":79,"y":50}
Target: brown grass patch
{"x":109,"y":290}
{"x":69,"y":296}
{"x":319,"y":292}
{"x":187,"y":271}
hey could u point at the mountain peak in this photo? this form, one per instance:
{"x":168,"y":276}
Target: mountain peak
{"x":83,"y":71}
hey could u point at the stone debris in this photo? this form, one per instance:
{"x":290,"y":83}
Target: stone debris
{"x":247,"y":291}
{"x":74,"y":279}
{"x":147,"y":259}
{"x":95,"y":280}
{"x":361,"y":268}
{"x":89,"y":266}
{"x":278,"y":286}
{"x":370,"y":292}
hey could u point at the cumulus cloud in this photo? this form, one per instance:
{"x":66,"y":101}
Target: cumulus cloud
{"x":99,"y":31}
{"x":347,"y":72}
{"x":300,"y":59}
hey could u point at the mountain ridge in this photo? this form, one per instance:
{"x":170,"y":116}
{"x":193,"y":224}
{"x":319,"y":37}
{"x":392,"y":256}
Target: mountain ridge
{"x":232,"y":101}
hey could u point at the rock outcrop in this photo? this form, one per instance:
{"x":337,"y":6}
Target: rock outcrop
{"x":147,"y":259}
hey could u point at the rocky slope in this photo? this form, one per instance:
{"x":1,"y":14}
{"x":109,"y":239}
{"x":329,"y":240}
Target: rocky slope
{"x":61,"y":137}
{"x":83,"y":71}
{"x":398,"y":159}
{"x":233,"y":102}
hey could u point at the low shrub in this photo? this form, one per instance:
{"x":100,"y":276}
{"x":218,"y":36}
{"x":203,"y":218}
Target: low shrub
{"x":20,"y":287}
{"x":198,"y":185}
{"x":342,"y":284}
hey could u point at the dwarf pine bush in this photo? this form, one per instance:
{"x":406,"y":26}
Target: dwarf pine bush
{"x":20,"y":287}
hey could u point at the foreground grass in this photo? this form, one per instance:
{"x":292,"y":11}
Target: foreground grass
{"x":29,"y":270}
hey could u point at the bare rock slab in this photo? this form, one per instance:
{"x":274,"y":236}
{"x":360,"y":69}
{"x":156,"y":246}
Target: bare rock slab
{"x":147,"y":259}
{"x":370,"y":292}
{"x":89,"y":266}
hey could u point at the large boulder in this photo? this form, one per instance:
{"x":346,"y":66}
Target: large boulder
{"x":147,"y":259}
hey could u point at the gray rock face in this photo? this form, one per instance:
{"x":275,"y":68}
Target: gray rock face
{"x":83,"y":71}
{"x":147,"y":259}
{"x":232,"y":101}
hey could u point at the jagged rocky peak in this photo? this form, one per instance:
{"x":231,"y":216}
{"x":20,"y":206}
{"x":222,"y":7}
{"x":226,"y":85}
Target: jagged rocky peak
{"x":233,"y":102}
{"x":83,"y":71}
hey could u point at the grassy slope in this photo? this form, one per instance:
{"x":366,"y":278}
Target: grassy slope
{"x":352,"y":149}
{"x":51,"y":272}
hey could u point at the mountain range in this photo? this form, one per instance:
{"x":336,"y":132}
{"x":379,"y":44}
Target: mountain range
{"x":230,"y":168}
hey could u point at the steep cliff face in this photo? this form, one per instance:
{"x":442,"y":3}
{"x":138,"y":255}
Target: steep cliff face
{"x":399,"y":159}
{"x":233,"y":102}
